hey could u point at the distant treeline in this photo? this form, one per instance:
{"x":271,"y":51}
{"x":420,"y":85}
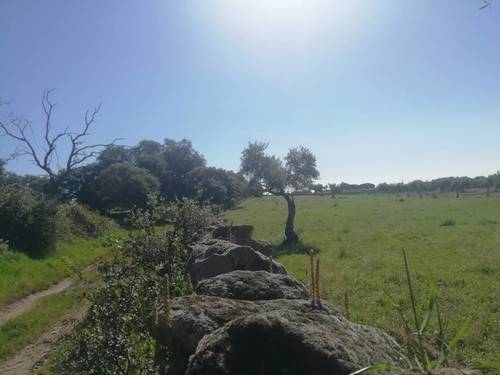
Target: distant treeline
{"x":444,"y":184}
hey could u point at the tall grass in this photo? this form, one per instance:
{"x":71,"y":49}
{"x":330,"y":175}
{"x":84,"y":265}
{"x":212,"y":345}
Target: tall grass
{"x":427,"y":349}
{"x":21,"y":275}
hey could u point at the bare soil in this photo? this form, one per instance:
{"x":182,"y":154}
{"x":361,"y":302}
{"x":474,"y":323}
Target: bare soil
{"x":24,"y":304}
{"x":32,"y":357}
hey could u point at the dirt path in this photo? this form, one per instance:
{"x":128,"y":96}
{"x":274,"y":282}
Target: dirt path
{"x":32,"y":357}
{"x":22,"y":305}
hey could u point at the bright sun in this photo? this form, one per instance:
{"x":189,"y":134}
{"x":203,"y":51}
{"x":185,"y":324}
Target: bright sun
{"x":277,"y":23}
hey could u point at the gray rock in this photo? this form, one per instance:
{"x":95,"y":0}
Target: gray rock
{"x":261,"y":246}
{"x":283,"y":336}
{"x":290,"y":337}
{"x":248,"y":285}
{"x":242,"y":235}
{"x":214,"y":257}
{"x":243,"y":231}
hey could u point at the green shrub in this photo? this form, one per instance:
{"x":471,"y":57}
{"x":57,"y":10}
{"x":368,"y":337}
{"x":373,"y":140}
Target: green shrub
{"x":118,"y":334}
{"x":27,"y":220}
{"x":76,"y":220}
{"x":448,"y":223}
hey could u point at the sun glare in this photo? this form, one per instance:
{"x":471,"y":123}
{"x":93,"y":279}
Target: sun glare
{"x":285,"y":24}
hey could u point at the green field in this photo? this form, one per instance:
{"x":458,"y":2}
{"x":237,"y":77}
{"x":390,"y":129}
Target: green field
{"x":452,"y":243}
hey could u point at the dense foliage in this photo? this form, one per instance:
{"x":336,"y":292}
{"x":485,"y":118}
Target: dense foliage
{"x":27,"y":220}
{"x":123,"y":177}
{"x":116,"y":336}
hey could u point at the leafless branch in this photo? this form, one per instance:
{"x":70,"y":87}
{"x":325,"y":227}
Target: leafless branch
{"x":486,"y":4}
{"x":15,"y":128}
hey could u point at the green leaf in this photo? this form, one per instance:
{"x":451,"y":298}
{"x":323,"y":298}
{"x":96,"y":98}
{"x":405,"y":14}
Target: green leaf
{"x":428,"y":312}
{"x":389,"y":298}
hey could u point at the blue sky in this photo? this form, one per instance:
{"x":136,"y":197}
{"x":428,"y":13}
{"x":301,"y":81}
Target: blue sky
{"x":379,"y":90}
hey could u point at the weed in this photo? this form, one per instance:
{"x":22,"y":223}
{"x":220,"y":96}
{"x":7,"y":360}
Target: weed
{"x":448,"y":223}
{"x":418,"y":342}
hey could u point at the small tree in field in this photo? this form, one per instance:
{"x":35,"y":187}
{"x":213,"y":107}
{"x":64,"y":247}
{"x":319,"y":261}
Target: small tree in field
{"x":297,"y":173}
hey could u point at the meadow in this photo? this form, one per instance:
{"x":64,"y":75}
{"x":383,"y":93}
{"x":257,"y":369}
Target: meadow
{"x":453,"y":245}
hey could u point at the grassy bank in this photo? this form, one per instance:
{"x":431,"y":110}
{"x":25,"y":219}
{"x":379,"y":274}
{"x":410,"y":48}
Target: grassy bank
{"x":452,"y":243}
{"x":21,"y":275}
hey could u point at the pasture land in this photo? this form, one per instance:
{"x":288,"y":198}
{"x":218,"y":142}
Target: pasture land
{"x":453,"y":244}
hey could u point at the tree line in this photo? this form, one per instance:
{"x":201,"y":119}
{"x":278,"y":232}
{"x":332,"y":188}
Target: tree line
{"x":456,"y":185}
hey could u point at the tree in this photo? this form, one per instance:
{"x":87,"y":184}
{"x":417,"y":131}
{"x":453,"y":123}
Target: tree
{"x":125,"y":186}
{"x":318,"y":189}
{"x":298,"y":173}
{"x":215,"y":186}
{"x":149,"y":155}
{"x":181,"y":158}
{"x":49,"y":157}
{"x":27,"y":220}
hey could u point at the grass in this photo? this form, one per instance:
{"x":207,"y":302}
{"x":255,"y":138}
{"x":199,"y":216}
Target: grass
{"x":26,"y":328}
{"x":21,"y":275}
{"x":359,"y":239}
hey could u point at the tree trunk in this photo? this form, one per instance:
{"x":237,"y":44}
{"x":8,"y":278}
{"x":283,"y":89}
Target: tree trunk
{"x":290,"y":235}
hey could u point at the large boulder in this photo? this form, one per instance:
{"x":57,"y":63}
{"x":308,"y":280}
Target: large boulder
{"x":194,"y":316}
{"x":256,"y":285}
{"x":283,"y":336}
{"x":292,"y":338}
{"x":242,"y":235}
{"x":214,"y":257}
{"x":261,"y":246}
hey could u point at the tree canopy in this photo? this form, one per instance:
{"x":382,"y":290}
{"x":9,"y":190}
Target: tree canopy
{"x":278,"y":178}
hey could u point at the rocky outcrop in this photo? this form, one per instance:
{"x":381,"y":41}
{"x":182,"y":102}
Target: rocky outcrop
{"x":253,"y":286}
{"x":249,"y":316}
{"x":293,"y":339}
{"x":281,"y":336}
{"x":210,"y":258}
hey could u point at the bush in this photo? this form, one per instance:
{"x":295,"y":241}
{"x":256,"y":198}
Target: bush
{"x":125,"y":186}
{"x":448,"y":223}
{"x":118,"y":334}
{"x":77,"y":220}
{"x":27,"y":220}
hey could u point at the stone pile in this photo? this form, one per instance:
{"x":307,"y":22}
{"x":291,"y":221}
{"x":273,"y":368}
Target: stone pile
{"x":249,"y":316}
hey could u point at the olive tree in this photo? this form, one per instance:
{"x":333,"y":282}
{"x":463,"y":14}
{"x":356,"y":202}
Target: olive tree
{"x":282,"y":179}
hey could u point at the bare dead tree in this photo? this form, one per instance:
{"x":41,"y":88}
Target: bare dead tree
{"x":486,"y":4}
{"x":21,"y":131}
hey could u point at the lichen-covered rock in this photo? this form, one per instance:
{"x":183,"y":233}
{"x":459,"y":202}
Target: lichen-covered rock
{"x":256,"y":285}
{"x":192,"y":317}
{"x":291,"y":337}
{"x":214,"y":257}
{"x":283,"y":336}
